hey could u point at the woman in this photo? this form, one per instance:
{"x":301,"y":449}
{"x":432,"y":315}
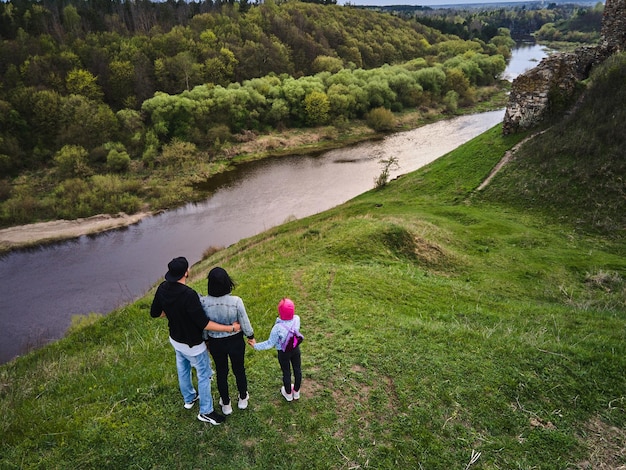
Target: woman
{"x":220,"y":306}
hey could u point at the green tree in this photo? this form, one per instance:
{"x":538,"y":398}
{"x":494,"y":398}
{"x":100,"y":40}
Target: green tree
{"x":178,"y":73}
{"x":457,"y":81}
{"x":71,"y":160}
{"x":317,"y":107}
{"x":43,"y":116}
{"x":342,"y":102}
{"x":324,"y":63}
{"x":431,"y":79}
{"x":118,"y":161}
{"x":121,"y":83}
{"x":221,"y":68}
{"x":71,"y":20}
{"x":171,"y":116}
{"x":131,"y":130}
{"x":85,"y":122}
{"x":82,"y":82}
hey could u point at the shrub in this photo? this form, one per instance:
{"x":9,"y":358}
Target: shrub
{"x":118,"y":161}
{"x":387,"y":165}
{"x":451,"y":101}
{"x":176,"y":153}
{"x":5,"y":190}
{"x":21,"y":209}
{"x":380,"y":119}
{"x":71,"y":160}
{"x":219,"y":132}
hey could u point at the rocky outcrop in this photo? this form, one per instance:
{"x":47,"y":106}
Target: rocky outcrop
{"x":552,"y":83}
{"x":614,"y":26}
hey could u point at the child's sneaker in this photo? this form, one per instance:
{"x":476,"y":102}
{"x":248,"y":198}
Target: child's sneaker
{"x":243,"y":402}
{"x":288,"y":396}
{"x":296,"y":394}
{"x":226,"y":409}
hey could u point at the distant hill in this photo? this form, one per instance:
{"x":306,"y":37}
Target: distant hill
{"x":477,"y":5}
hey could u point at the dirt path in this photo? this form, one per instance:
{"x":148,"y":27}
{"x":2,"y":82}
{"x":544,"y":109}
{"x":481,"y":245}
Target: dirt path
{"x":44,"y":232}
{"x":505,"y":159}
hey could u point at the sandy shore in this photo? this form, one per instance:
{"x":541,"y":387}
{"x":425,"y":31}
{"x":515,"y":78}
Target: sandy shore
{"x":45,"y":232}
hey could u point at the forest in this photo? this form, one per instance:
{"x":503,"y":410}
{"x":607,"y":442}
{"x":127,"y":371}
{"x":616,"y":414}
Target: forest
{"x":104,"y":103}
{"x":571,"y":22}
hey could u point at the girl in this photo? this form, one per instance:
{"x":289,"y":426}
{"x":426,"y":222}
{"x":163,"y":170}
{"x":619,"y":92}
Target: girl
{"x":286,"y":320}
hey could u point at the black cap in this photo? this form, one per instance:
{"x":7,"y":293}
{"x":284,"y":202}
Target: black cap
{"x":176,"y":269}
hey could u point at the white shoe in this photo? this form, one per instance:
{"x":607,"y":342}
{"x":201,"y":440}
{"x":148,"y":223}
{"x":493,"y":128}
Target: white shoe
{"x":243,"y":402}
{"x":296,"y":395}
{"x":226,"y":409}
{"x":288,"y":396}
{"x":190,"y":404}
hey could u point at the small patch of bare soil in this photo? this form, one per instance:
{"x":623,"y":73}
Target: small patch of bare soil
{"x":607,"y":447}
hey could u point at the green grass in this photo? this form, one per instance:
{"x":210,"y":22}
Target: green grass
{"x":438,"y":323}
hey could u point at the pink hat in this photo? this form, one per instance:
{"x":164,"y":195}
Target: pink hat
{"x":286,"y":309}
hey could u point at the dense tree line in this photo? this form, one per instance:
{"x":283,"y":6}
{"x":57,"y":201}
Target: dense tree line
{"x":86,"y":73}
{"x":582,"y":26}
{"x":95,"y":91}
{"x":522,"y":21}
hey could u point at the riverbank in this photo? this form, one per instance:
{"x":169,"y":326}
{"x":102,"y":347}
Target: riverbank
{"x":40,"y":233}
{"x":255,"y":147}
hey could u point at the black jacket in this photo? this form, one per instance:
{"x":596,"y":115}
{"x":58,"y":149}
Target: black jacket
{"x":184,"y":312}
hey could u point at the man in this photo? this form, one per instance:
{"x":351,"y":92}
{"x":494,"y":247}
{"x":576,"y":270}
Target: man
{"x":186,"y":320}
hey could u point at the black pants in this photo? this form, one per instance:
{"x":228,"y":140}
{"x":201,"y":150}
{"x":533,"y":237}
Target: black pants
{"x":221,"y":350}
{"x":286,"y":361}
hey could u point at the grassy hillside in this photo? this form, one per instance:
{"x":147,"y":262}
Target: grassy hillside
{"x":575,"y":171}
{"x":443,"y":331}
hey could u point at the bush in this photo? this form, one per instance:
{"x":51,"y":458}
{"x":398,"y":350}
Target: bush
{"x":118,"y":161}
{"x":21,"y":209}
{"x":220,"y":132}
{"x":388,"y":164}
{"x":5,"y":190}
{"x":451,"y":101}
{"x":176,"y":153}
{"x":71,"y":160}
{"x":380,"y":119}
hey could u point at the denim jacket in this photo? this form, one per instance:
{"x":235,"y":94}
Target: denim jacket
{"x":225,"y":310}
{"x":277,"y":335}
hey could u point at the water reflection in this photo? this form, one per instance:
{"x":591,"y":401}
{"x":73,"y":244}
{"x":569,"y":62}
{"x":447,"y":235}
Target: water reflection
{"x":527,"y":56}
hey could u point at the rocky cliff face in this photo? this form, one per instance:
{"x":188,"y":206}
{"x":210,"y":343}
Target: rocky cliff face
{"x":540,"y":90}
{"x":614,"y":26}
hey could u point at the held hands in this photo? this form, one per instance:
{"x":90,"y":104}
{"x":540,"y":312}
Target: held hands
{"x":252,"y":342}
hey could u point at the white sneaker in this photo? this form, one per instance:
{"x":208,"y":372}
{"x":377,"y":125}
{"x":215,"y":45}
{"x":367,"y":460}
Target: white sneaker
{"x":296,"y":395}
{"x":243,"y":402}
{"x":190,"y":404}
{"x":288,"y":396}
{"x":226,"y":409}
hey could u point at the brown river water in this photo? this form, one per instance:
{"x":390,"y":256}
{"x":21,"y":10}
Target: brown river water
{"x":44,"y":287}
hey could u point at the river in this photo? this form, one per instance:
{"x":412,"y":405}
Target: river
{"x":44,"y":287}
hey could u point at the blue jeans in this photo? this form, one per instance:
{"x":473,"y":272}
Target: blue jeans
{"x":204,"y":372}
